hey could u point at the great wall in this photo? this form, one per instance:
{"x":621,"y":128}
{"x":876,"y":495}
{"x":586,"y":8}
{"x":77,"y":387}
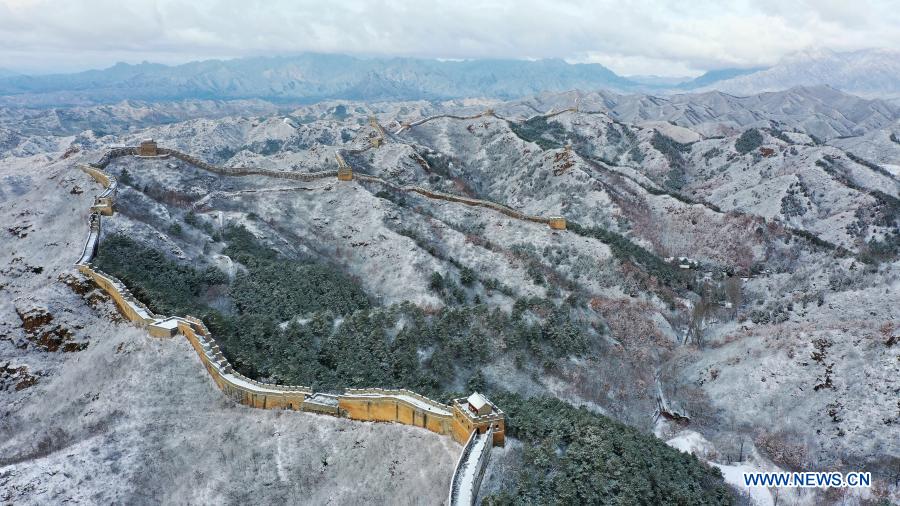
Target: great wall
{"x":487,"y":112}
{"x":474,"y":422}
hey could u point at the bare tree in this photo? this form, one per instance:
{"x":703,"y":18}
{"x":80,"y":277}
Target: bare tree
{"x":699,"y":313}
{"x":733,"y":292}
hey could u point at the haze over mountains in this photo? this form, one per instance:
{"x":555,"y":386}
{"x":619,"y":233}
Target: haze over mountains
{"x":312,"y":77}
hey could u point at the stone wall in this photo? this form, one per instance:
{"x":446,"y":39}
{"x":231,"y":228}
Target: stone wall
{"x":235,"y":385}
{"x":245,"y":171}
{"x":345,"y":173}
{"x":486,"y":112}
{"x":401,"y":406}
{"x":92,"y":244}
{"x":470,"y":469}
{"x":465,"y":423}
{"x":130,"y":307}
{"x":380,"y":405}
{"x":112,"y":154}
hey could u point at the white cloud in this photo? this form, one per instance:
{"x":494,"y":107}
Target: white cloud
{"x":636,"y":36}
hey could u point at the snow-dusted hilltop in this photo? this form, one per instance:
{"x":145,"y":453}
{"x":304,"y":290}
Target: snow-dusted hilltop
{"x":867,"y":73}
{"x":726,"y":280}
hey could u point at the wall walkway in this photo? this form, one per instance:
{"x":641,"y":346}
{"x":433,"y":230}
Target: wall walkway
{"x":488,"y":112}
{"x":381,"y":405}
{"x":470,"y":468}
{"x":555,"y":222}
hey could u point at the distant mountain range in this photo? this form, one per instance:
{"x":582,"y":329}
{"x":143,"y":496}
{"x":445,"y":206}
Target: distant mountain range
{"x":315,"y":77}
{"x":869,"y":73}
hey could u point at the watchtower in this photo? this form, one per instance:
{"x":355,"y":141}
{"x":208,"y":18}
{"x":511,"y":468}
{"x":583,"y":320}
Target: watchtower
{"x":148,"y":148}
{"x":103,"y":205}
{"x":345,"y":172}
{"x":477,"y":413}
{"x":557,"y":223}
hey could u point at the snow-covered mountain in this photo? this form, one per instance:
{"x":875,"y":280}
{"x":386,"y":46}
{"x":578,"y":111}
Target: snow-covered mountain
{"x":311,"y":77}
{"x":777,"y":340}
{"x":868,"y":73}
{"x":821,"y":111}
{"x":308,"y":78}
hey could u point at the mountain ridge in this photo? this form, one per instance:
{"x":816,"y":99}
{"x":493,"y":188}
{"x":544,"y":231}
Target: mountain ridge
{"x":867,"y":73}
{"x":313,"y":77}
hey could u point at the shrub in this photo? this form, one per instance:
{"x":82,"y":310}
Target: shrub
{"x":125,"y":178}
{"x":748,"y":141}
{"x":573,"y":456}
{"x":538,"y":130}
{"x":467,"y":276}
{"x":436,"y":284}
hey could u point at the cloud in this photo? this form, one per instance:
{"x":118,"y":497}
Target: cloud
{"x":631,"y":36}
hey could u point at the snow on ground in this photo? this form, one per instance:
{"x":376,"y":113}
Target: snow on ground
{"x":470,"y":471}
{"x":131,"y":419}
{"x":734,"y":476}
{"x":674,"y":132}
{"x":689,"y":441}
{"x":693,"y":442}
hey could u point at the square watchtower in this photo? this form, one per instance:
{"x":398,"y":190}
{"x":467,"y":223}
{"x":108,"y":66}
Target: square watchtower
{"x":148,"y":148}
{"x":557,"y":223}
{"x":477,"y":413}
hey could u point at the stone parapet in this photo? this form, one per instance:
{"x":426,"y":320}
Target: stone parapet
{"x":400,"y":406}
{"x":469,"y":470}
{"x":369,"y":404}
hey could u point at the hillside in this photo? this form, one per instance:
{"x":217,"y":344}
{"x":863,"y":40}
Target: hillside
{"x":94,"y":411}
{"x":867,"y":73}
{"x":729,"y":268}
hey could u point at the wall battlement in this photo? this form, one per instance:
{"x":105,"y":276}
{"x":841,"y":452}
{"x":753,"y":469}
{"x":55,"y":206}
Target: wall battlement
{"x":487,"y":112}
{"x":344,"y":173}
{"x":400,"y":406}
{"x":372,"y":404}
{"x":465,"y":423}
{"x":470,"y":468}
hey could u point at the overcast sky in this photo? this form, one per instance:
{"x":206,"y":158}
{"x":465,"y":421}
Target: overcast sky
{"x":629,"y":36}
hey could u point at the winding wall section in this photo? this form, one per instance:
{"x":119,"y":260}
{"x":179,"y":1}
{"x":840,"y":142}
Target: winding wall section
{"x":400,"y":406}
{"x":555,"y":222}
{"x":470,"y":468}
{"x":489,"y":112}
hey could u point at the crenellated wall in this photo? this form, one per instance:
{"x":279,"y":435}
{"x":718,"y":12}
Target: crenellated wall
{"x":470,"y":469}
{"x":486,"y":112}
{"x":344,"y":173}
{"x":401,"y":406}
{"x":134,"y":310}
{"x":245,"y":171}
{"x":407,"y":126}
{"x":374,"y":404}
{"x":465,"y":423}
{"x":235,"y":385}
